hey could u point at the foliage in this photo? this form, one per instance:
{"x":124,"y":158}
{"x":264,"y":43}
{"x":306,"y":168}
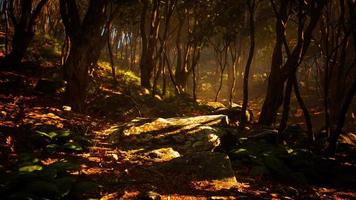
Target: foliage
{"x":125,"y":77}
{"x":266,"y":158}
{"x":33,"y":180}
{"x":61,"y":140}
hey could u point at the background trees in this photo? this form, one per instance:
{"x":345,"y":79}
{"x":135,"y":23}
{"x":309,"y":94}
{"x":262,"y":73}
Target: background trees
{"x":23,"y":15}
{"x":202,"y":49}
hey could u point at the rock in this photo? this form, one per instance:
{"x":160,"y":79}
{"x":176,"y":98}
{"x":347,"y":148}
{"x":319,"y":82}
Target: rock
{"x":157,"y":97}
{"x":215,"y":105}
{"x":269,"y":135}
{"x":203,"y":132}
{"x":227,"y":142}
{"x":136,"y":127}
{"x":234,"y":114}
{"x":163,"y":154}
{"x":172,"y":126}
{"x":207,"y":143}
{"x":144,"y":91}
{"x":214,"y":169}
{"x":348,"y":139}
{"x":146,"y":138}
{"x":149,"y":196}
{"x":179,"y":138}
{"x":209,"y":120}
{"x":67,"y":108}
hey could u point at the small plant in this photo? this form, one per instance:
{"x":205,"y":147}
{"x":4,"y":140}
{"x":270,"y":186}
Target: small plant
{"x":63,"y":140}
{"x":33,"y":180}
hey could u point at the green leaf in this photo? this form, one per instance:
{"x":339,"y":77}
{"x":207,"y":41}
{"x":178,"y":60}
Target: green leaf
{"x":64,"y":166}
{"x":51,"y":148}
{"x":241,"y":150}
{"x":65,"y":133}
{"x":72,"y":146}
{"x":49,"y":135}
{"x":31,"y":168}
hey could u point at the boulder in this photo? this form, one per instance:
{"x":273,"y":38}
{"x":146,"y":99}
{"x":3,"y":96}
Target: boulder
{"x":185,"y":134}
{"x":150,"y":195}
{"x":211,"y":168}
{"x":234,"y":114}
{"x":163,"y":154}
{"x":215,"y":105}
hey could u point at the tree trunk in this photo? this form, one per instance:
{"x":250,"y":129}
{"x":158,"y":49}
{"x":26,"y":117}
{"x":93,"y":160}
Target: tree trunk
{"x":87,"y":40}
{"x":273,"y":100}
{"x":149,"y":43}
{"x":286,"y":108}
{"x":274,"y":96}
{"x":76,"y":74}
{"x":302,"y":105}
{"x":281,"y":72}
{"x":249,"y":62}
{"x":20,"y":42}
{"x":336,"y":132}
{"x":111,"y":57}
{"x":23,"y":34}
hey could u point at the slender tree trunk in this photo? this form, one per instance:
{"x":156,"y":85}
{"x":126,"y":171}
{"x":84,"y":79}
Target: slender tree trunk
{"x":112,"y":63}
{"x":235,"y":59}
{"x":281,"y":72}
{"x":251,"y":6}
{"x":306,"y":113}
{"x":341,"y":120}
{"x":286,"y":107}
{"x":194,"y":84}
{"x":6,"y":27}
{"x":222,"y":65}
{"x":274,"y":96}
{"x":20,"y":42}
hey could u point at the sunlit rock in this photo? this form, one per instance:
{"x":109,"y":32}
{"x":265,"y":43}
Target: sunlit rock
{"x":67,"y":108}
{"x":215,"y":105}
{"x":163,"y":154}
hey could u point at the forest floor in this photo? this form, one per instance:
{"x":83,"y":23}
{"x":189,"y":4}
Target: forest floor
{"x":47,"y":149}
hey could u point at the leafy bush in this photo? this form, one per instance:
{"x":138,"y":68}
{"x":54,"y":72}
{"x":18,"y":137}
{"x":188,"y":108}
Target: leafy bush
{"x":33,"y":180}
{"x":61,"y":140}
{"x":266,"y":158}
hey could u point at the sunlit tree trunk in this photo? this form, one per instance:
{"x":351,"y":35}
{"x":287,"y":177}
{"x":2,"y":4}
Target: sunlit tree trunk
{"x":111,"y":56}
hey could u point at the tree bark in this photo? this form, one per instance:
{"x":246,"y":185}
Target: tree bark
{"x":306,"y":113}
{"x":281,"y":72}
{"x":87,"y":42}
{"x":149,"y":43}
{"x":274,"y":96}
{"x":252,"y":8}
{"x":23,"y":26}
{"x":341,"y":120}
